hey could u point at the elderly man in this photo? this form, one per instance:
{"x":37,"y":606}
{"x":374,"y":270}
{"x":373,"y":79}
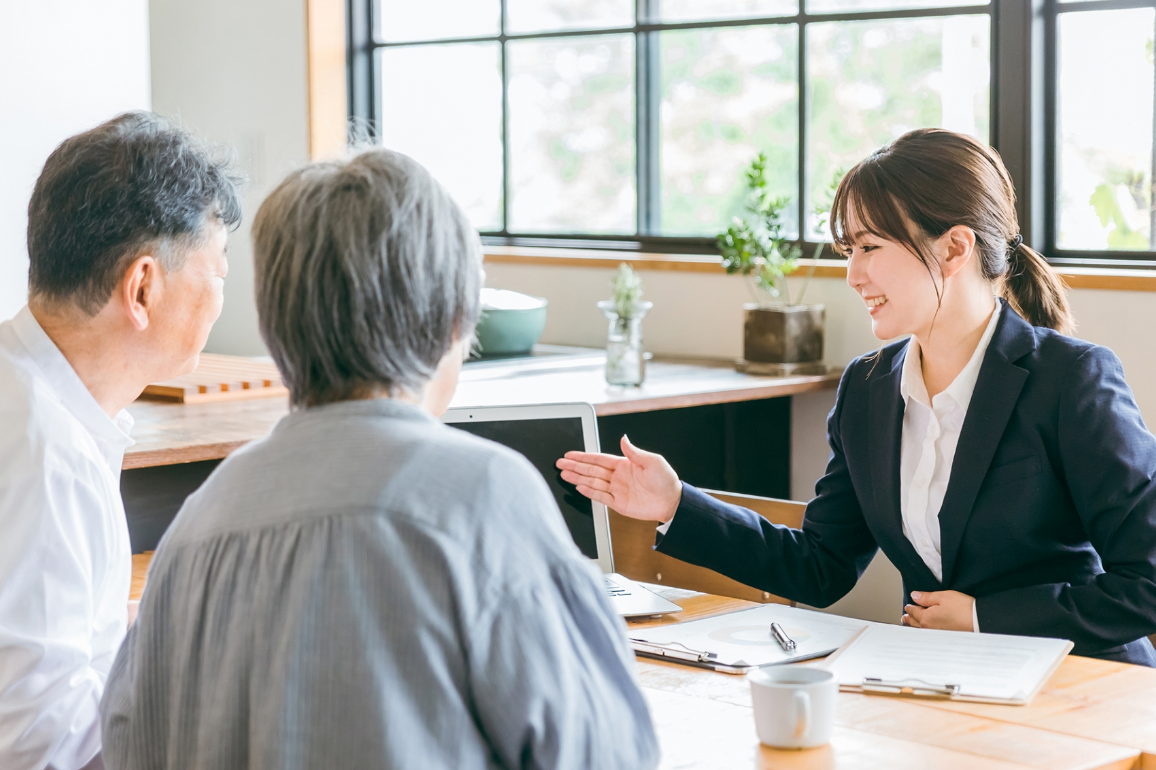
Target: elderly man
{"x":366,"y":587}
{"x":126,"y":242}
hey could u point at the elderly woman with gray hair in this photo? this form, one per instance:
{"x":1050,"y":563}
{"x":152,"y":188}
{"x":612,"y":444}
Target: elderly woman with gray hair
{"x":366,"y":587}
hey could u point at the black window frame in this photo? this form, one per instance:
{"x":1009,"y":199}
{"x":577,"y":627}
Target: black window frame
{"x":1022,"y":117}
{"x":1051,"y":12}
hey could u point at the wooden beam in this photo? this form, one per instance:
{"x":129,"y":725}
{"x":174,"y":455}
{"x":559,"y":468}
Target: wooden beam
{"x":1074,"y":277}
{"x":328,"y":108}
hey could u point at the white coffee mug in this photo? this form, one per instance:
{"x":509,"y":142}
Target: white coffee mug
{"x":794,"y":705}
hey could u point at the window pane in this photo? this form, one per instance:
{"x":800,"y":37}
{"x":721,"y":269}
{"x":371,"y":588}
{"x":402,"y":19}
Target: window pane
{"x":542,"y":15}
{"x":572,"y":134}
{"x":872,"y":81}
{"x":698,"y":10}
{"x":442,"y":105}
{"x":727,"y":94}
{"x":400,"y":20}
{"x":1104,"y":179}
{"x":831,"y":6}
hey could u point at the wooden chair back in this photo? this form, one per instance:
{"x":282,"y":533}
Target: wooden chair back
{"x":634,"y":555}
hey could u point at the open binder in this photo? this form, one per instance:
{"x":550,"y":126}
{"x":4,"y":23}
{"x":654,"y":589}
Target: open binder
{"x":957,"y":665}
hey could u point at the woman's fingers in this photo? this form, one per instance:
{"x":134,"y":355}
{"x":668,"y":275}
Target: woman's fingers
{"x":586,"y":481}
{"x":915,"y":612}
{"x":596,"y":495}
{"x":907,"y":620}
{"x":610,"y":462}
{"x":634,"y":454}
{"x":927,"y":598}
{"x":585,"y":469}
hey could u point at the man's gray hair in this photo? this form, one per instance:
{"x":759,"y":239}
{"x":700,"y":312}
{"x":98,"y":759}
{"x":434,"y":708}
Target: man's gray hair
{"x":366,"y":273}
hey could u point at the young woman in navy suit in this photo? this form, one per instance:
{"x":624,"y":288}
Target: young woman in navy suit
{"x":1001,"y":465}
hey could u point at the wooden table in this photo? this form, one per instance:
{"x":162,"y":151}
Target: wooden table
{"x":1090,"y":715}
{"x":180,"y":433}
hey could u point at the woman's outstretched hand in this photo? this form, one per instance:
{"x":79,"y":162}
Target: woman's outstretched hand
{"x":641,"y":485}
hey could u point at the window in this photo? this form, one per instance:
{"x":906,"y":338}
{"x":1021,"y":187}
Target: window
{"x":611,"y":120}
{"x":1101,"y":148}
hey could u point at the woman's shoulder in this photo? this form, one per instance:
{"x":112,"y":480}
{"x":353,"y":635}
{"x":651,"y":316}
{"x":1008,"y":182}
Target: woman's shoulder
{"x":1064,"y":362}
{"x":1061,"y":347}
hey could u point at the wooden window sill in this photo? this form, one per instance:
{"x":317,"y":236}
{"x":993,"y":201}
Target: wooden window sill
{"x":1075,"y":277}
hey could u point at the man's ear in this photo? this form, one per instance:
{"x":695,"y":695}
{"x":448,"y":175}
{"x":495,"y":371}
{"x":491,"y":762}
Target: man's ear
{"x":958,"y":245}
{"x":139,"y":290}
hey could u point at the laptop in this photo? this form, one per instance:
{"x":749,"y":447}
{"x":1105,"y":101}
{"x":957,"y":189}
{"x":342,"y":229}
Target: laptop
{"x":543,"y":433}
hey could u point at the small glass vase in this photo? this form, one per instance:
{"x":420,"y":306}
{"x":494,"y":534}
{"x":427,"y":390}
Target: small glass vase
{"x":625,"y":357}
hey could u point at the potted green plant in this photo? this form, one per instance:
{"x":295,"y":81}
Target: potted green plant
{"x":625,"y":355}
{"x":781,"y":335}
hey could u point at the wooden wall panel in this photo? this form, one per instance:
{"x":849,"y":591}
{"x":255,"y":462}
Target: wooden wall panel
{"x":328,"y":106}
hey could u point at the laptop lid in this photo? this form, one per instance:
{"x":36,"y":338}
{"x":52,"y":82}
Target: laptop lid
{"x":543,"y":433}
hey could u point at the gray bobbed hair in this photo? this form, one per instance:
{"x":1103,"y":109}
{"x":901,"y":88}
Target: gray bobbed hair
{"x":366,"y":271}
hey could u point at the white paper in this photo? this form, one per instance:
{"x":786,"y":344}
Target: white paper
{"x":983,"y":665}
{"x":744,"y":638}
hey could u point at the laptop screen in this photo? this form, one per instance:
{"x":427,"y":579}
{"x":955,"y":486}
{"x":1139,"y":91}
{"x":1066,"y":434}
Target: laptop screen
{"x":543,"y":442}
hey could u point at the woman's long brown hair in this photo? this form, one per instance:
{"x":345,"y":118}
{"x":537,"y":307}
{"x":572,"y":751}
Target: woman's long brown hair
{"x":929,"y":180}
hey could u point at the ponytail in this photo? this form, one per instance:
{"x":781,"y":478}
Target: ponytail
{"x":1035,"y":291}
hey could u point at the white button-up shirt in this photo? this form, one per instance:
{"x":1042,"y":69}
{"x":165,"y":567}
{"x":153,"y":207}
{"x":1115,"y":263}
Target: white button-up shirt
{"x":931,"y":429}
{"x":65,"y":558}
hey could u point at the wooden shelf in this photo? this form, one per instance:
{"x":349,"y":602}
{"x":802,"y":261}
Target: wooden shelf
{"x":1074,"y":277}
{"x":167,"y":434}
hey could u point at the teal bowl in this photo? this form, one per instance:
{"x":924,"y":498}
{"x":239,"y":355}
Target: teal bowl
{"x":511,"y":331}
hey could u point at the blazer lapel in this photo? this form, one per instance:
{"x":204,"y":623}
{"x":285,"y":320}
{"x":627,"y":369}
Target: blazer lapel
{"x":886,"y":421}
{"x":997,"y":389}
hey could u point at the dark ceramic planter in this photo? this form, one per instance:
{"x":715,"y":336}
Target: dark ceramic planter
{"x":783,"y":340}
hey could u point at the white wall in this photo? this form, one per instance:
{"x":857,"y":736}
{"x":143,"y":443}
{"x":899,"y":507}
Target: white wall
{"x":235,"y":73}
{"x":65,"y":66}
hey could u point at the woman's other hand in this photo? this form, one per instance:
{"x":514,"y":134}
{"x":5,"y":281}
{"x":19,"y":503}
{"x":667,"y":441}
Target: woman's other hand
{"x":641,"y":485}
{"x":945,"y":610}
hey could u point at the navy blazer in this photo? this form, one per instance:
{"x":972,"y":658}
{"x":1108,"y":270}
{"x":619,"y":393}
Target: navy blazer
{"x":1049,"y":519}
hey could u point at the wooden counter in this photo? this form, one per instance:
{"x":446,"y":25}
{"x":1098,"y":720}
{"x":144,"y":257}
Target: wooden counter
{"x":167,"y":434}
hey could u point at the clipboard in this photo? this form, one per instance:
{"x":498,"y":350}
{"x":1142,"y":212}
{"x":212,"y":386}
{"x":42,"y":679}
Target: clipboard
{"x":949,"y":665}
{"x":738,"y":642}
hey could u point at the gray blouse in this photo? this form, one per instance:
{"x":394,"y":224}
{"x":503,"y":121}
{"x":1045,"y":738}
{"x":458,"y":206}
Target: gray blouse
{"x":368,"y":588}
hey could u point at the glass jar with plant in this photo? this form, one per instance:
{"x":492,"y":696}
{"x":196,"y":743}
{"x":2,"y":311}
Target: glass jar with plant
{"x":625,"y":356}
{"x":781,"y":335}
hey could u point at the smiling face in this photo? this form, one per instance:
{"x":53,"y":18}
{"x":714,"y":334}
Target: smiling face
{"x":896,"y":287}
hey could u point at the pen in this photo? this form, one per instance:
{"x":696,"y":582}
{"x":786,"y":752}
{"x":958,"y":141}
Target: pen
{"x":786,"y":642}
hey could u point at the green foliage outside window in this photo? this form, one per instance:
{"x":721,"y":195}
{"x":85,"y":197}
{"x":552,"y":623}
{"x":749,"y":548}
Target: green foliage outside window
{"x":1119,"y":225}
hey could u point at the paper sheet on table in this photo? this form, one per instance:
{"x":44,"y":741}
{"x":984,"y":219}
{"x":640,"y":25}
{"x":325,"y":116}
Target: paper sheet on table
{"x":743,"y":639}
{"x":987,"y":667}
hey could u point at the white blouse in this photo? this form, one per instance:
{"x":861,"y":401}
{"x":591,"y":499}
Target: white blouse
{"x":65,"y":558}
{"x":931,"y":430}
